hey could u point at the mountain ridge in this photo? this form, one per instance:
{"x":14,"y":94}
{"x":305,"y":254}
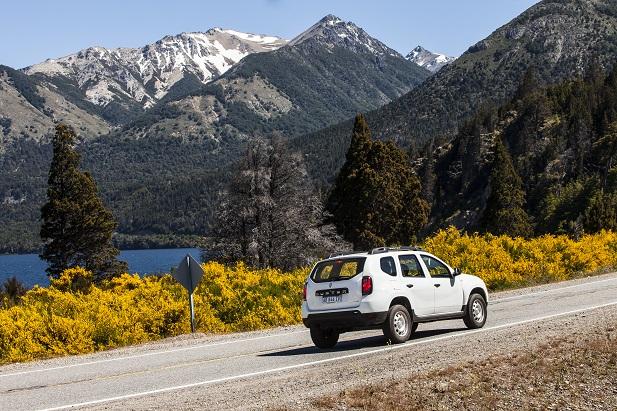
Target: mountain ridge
{"x":142,"y":76}
{"x":298,"y":87}
{"x":334,"y":31}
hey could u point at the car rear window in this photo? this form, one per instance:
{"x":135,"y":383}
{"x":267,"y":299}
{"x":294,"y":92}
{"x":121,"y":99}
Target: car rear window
{"x":334,"y":270}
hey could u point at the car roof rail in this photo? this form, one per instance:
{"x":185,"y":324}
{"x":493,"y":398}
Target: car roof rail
{"x":380,"y":250}
{"x":339,"y":254}
{"x":410,"y":248}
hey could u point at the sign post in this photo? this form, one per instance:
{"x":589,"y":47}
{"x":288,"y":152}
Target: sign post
{"x":192,"y":307}
{"x":189,"y":273}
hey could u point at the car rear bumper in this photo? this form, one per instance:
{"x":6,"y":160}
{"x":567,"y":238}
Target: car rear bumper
{"x":345,"y":319}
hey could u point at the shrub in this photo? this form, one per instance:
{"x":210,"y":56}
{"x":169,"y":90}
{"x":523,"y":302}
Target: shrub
{"x":506,"y":262}
{"x":74,"y":316}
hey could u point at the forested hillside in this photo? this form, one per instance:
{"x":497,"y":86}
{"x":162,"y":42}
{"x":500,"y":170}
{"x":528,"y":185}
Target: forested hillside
{"x":29,"y":107}
{"x":559,"y":39}
{"x":562,"y":141}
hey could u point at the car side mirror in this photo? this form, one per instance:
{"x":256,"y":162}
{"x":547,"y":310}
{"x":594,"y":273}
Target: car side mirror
{"x":457,"y":271}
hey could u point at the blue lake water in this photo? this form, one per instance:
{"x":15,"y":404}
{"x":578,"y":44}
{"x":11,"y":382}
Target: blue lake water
{"x":30,"y":270}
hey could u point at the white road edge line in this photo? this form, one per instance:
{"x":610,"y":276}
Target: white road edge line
{"x":327,"y":360}
{"x":160,"y":352}
{"x":516,"y":297}
{"x":192,"y":347}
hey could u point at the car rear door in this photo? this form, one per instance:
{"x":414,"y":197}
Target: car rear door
{"x":416,"y":285}
{"x":448,"y":288}
{"x":335,"y":284}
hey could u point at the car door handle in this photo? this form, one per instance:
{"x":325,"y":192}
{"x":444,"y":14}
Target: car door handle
{"x":437,"y":285}
{"x":409,"y":285}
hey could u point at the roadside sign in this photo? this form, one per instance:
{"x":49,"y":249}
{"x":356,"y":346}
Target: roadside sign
{"x":189,"y":273}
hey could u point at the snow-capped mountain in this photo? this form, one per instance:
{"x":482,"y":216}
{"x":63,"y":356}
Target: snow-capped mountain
{"x":325,"y":75}
{"x":332,"y":31}
{"x":147,"y":74}
{"x":429,"y":60}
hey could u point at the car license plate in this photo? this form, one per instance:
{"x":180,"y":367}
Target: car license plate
{"x":331,"y":299}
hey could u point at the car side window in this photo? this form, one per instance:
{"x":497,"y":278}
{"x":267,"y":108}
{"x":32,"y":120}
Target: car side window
{"x":435,"y":268}
{"x":410,"y":266}
{"x":387,"y":266}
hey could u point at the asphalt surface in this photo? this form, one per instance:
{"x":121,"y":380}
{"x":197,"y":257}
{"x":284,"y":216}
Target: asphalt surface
{"x":165,"y":374}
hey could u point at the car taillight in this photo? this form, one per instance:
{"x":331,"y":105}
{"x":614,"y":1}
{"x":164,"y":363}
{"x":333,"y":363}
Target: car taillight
{"x":367,"y":285}
{"x":304,"y":292}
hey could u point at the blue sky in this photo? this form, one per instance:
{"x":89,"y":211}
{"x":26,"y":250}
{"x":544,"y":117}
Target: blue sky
{"x":31,"y":31}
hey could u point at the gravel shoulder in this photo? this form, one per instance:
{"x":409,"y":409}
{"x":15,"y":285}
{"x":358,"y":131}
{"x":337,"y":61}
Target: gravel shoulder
{"x":575,"y":282}
{"x":576,"y":370}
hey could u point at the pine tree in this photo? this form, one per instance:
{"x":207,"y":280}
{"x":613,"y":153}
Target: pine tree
{"x":76,"y":227}
{"x":345,"y":192}
{"x":504,"y":213}
{"x":605,"y":150}
{"x":427,"y":173}
{"x":601,"y":214}
{"x":376,"y":199}
{"x":527,"y":85}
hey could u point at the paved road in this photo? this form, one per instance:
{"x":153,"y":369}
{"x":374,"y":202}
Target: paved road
{"x":171,"y":369}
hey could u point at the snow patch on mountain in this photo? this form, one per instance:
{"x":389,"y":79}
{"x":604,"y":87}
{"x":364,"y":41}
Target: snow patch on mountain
{"x":429,"y":60}
{"x":147,"y":74}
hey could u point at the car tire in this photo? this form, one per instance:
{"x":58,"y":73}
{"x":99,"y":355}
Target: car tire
{"x":324,"y":337}
{"x":398,"y":326}
{"x":475,"y":312}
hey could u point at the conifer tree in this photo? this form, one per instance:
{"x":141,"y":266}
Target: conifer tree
{"x":427,"y":173}
{"x":76,"y":227}
{"x":528,"y":84}
{"x":376,"y":199}
{"x":504,"y":213}
{"x":601,"y":214}
{"x":345,"y":191}
{"x":605,"y":150}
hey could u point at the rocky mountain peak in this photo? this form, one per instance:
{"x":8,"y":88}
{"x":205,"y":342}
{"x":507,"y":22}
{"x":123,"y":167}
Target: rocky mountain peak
{"x":333,"y":31}
{"x":429,"y":60}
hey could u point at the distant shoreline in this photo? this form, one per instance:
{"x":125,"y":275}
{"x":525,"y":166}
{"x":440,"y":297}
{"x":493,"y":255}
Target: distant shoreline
{"x":30,"y":269}
{"x":128,"y":242}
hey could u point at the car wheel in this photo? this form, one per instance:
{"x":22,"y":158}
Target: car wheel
{"x":475,"y":315}
{"x":324,"y":337}
{"x":398,"y":326}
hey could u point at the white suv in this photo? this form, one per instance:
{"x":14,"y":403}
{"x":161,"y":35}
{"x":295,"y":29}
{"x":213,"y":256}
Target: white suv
{"x":389,"y":288}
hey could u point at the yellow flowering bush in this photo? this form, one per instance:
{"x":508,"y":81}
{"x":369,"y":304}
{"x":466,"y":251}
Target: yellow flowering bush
{"x":73,"y":279}
{"x":248,"y":299}
{"x":505,"y":262}
{"x":74,"y":316}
